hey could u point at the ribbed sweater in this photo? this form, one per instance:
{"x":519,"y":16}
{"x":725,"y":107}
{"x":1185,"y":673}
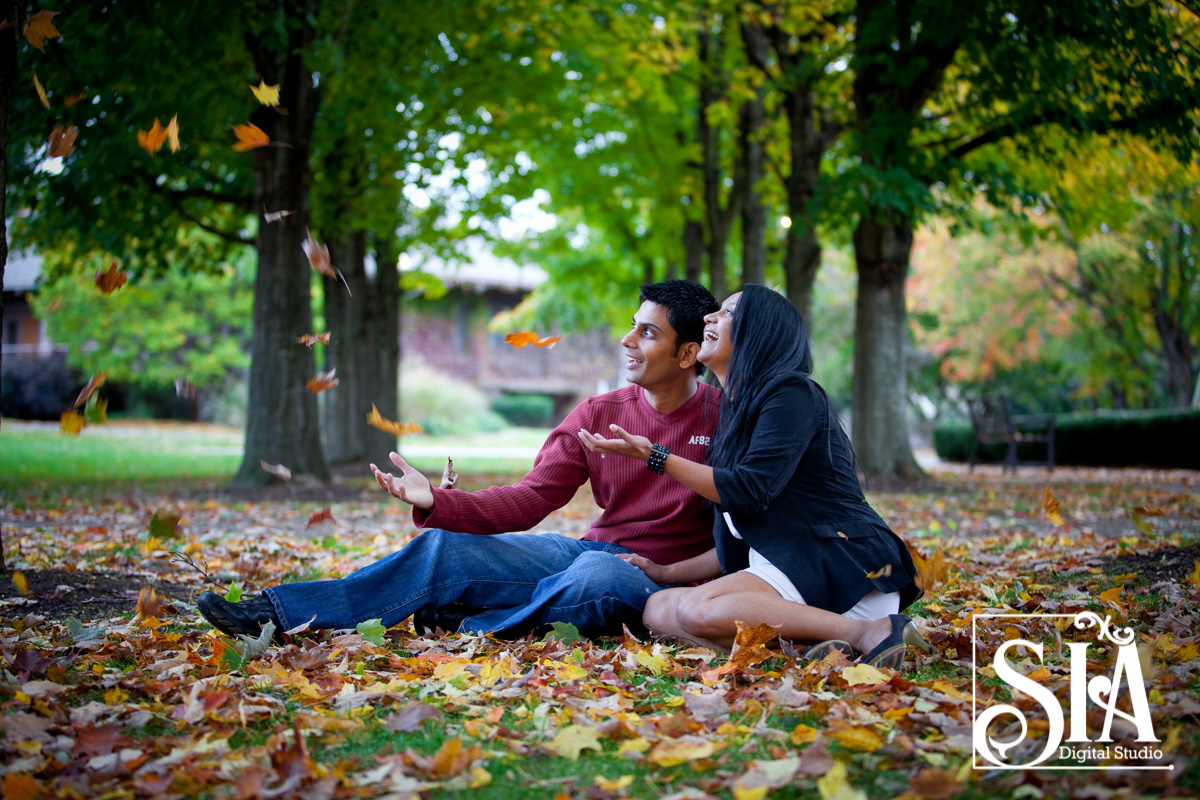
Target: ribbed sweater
{"x":652,"y":515}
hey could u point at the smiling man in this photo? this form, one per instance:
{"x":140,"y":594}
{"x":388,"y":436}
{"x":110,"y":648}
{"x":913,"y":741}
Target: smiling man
{"x":469,"y":572}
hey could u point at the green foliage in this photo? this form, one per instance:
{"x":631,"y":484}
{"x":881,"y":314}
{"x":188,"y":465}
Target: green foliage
{"x":1101,"y":439}
{"x":526,"y":410}
{"x":442,"y":404}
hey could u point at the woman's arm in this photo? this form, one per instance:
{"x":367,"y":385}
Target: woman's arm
{"x":696,"y":568}
{"x":697,"y":477}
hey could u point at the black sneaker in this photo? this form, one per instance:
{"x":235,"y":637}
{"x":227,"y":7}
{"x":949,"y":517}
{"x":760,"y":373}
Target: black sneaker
{"x":428,"y":619}
{"x":247,"y":617}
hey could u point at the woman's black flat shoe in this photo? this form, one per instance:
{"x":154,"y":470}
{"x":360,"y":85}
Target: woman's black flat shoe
{"x":890,"y":652}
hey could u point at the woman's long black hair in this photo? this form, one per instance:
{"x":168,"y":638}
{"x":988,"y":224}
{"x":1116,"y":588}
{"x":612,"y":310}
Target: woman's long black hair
{"x":770,"y":343}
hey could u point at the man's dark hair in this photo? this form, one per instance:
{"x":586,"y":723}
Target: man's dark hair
{"x":687,"y":303}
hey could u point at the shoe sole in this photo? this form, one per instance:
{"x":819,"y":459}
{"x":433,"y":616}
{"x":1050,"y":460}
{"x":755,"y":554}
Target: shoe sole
{"x":223,"y":623}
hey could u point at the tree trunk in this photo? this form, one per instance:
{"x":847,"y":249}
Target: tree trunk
{"x":346,"y":319}
{"x":9,"y":40}
{"x":282,"y":425}
{"x":807,"y":145}
{"x":693,"y":250}
{"x":878,"y":420}
{"x":1175,"y":342}
{"x":383,"y":354}
{"x":754,"y":211}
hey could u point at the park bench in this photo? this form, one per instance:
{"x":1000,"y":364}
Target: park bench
{"x":994,"y":424}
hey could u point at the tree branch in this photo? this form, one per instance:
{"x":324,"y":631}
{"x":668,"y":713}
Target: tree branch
{"x":229,"y":237}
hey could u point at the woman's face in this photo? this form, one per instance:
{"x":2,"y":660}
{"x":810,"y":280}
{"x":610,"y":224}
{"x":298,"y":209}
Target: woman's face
{"x":717,"y":347}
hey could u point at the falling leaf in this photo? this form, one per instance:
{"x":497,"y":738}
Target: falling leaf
{"x":931,"y":571}
{"x":72,"y":421}
{"x":20,"y":584}
{"x":173,"y":134}
{"x":1050,"y":506}
{"x":449,"y":476}
{"x":75,"y":98}
{"x":528,"y":337}
{"x":309,"y":339}
{"x":41,"y":93}
{"x":372,"y":629}
{"x":149,"y":603}
{"x":266,"y":95}
{"x":40,"y":27}
{"x":376,"y":420}
{"x":278,"y":470}
{"x":324,"y":515}
{"x":318,"y":256}
{"x":94,"y":383}
{"x":275,"y":216}
{"x":96,"y":412}
{"x":249,"y":137}
{"x":882,"y":572}
{"x":164,"y":525}
{"x":111,"y":279}
{"x":62,"y":142}
{"x":152,"y":140}
{"x":323,"y":381}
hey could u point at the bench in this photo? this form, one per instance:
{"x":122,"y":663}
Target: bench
{"x":994,"y":424}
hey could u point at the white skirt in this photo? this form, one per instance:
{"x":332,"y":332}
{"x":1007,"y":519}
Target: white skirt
{"x":875,"y":605}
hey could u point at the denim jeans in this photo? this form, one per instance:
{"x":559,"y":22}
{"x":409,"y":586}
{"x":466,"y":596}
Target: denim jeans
{"x":524,"y":581}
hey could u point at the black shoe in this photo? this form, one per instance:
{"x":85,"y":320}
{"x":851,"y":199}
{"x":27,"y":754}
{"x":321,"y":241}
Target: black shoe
{"x":890,"y":652}
{"x":428,"y":619}
{"x":247,"y":617}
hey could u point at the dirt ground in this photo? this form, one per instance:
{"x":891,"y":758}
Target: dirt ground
{"x":60,"y":594}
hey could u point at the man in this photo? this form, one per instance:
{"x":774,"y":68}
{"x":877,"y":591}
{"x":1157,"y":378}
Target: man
{"x":511,"y":583}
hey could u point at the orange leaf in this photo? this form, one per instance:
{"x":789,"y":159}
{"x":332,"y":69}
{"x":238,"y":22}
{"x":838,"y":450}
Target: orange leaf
{"x":41,"y":93}
{"x":62,"y":142}
{"x":1051,"y":507}
{"x":149,"y":603}
{"x":318,"y":256}
{"x":95,"y":383}
{"x":40,"y":27}
{"x":322,"y":382}
{"x":71,"y":422}
{"x":451,"y":758}
{"x":20,"y":787}
{"x":309,"y":339}
{"x":748,"y":648}
{"x":375,"y":419}
{"x":529,"y":337}
{"x":75,"y":98}
{"x":931,"y":571}
{"x":152,"y":140}
{"x":324,"y":515}
{"x":249,"y":137}
{"x":173,"y":134}
{"x":111,"y":280}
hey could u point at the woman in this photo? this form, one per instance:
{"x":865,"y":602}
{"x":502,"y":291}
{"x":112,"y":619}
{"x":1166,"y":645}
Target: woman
{"x":796,"y":541}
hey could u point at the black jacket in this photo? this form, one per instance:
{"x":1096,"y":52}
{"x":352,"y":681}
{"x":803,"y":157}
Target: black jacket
{"x":794,"y":497}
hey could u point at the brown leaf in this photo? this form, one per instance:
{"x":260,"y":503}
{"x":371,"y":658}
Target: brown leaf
{"x":110,"y":280}
{"x":376,"y":420}
{"x":451,"y":758}
{"x":323,"y":381}
{"x":93,"y":384}
{"x":249,"y":137}
{"x":523,"y":338}
{"x":748,"y":648}
{"x":324,"y":515}
{"x":40,"y":27}
{"x":93,"y":741}
{"x":410,"y":717}
{"x":62,"y":141}
{"x":152,"y":140}
{"x":73,"y":99}
{"x":309,"y":339}
{"x":935,"y":783}
{"x":149,"y":603}
{"x":449,"y":476}
{"x":1051,"y":507}
{"x":930,"y":571}
{"x":41,"y":93}
{"x":318,"y":256}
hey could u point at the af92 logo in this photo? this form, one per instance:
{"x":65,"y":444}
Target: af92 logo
{"x":1002,"y":732}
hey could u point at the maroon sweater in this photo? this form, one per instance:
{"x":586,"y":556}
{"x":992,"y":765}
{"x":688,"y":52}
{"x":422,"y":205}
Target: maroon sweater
{"x":653,"y":515}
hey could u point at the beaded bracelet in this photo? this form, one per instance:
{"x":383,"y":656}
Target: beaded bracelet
{"x":657,"y":462}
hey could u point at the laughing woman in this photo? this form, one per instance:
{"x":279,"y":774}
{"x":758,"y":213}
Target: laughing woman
{"x":797,"y":544}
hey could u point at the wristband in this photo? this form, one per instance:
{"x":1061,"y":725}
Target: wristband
{"x":657,"y":462}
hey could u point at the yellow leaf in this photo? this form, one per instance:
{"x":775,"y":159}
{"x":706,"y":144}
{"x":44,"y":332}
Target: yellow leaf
{"x":882,"y":572}
{"x":633,"y":747}
{"x":857,"y":738}
{"x":249,"y":137}
{"x":1109,"y":598}
{"x":115,"y":696}
{"x":833,"y":785}
{"x":377,"y":420}
{"x":757,"y":793}
{"x":173,"y":134}
{"x":1051,"y":507}
{"x":571,"y":740}
{"x":480,"y":777}
{"x":39,"y":28}
{"x":618,"y":785}
{"x":863,"y":674}
{"x":1188,"y":653}
{"x":671,"y":752}
{"x":20,"y":584}
{"x":948,"y":689}
{"x":41,"y":93}
{"x":72,"y":422}
{"x":1194,"y":577}
{"x":267,"y":95}
{"x":803,"y":734}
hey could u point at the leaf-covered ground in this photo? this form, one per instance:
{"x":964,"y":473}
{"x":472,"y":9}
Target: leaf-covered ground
{"x":99,"y":701}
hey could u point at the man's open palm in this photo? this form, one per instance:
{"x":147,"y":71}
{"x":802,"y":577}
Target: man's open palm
{"x":412,"y":487}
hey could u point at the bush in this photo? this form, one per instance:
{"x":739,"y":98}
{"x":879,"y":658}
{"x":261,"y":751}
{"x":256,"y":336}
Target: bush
{"x":33,"y":387}
{"x":442,"y":404}
{"x":525,"y":410}
{"x":1099,"y":439}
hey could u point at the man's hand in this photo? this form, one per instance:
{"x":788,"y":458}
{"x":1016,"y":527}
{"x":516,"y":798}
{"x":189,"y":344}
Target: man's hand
{"x":412,"y":487}
{"x":625,"y":445}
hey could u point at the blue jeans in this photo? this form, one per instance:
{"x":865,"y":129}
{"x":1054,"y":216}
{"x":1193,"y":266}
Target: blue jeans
{"x":524,"y":581}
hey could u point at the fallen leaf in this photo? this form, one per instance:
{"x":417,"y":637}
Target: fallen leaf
{"x":570,"y":741}
{"x":372,"y":629}
{"x":934,"y":783}
{"x":1051,"y":507}
{"x":20,"y":584}
{"x":528,"y":337}
{"x":614,"y":785}
{"x":309,"y":339}
{"x":324,"y":515}
{"x":266,"y":95}
{"x":110,"y":280}
{"x":863,"y":674}
{"x":75,"y":98}
{"x":409,"y":718}
{"x":152,"y":140}
{"x":857,"y":737}
{"x":323,"y":381}
{"x":835,"y":785}
{"x":252,"y":647}
{"x":672,"y":752}
{"x":278,"y":470}
{"x":72,"y":422}
{"x":565,"y":632}
{"x":20,"y":787}
{"x":748,"y":645}
{"x":173,"y":134}
{"x":94,"y":383}
{"x":40,"y":27}
{"x":1194,"y":577}
{"x":376,"y":420}
{"x":451,"y":758}
{"x":79,"y":633}
{"x":249,"y":137}
{"x":41,"y":93}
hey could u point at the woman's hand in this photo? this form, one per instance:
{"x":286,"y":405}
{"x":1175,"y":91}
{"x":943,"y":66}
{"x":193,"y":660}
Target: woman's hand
{"x":411,"y":487}
{"x":625,"y":445}
{"x":655,"y":572}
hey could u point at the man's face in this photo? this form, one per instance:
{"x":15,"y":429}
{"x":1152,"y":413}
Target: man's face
{"x":651,"y":357}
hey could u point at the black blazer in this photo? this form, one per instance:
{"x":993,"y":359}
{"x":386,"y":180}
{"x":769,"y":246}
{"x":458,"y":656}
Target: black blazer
{"x":795,"y":498}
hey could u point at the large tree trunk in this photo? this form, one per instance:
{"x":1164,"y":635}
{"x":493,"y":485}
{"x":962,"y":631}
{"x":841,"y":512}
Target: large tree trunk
{"x":9,"y":39}
{"x":346,"y":319}
{"x":693,"y":250}
{"x":878,"y":420}
{"x":383,"y":354}
{"x":754,"y":211}
{"x":802,"y":258}
{"x":1175,"y":341}
{"x":282,"y":425}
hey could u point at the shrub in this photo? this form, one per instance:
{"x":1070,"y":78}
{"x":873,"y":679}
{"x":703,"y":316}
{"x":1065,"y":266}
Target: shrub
{"x":526,"y":410}
{"x":1100,"y":439}
{"x":33,"y":387}
{"x":442,"y":404}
